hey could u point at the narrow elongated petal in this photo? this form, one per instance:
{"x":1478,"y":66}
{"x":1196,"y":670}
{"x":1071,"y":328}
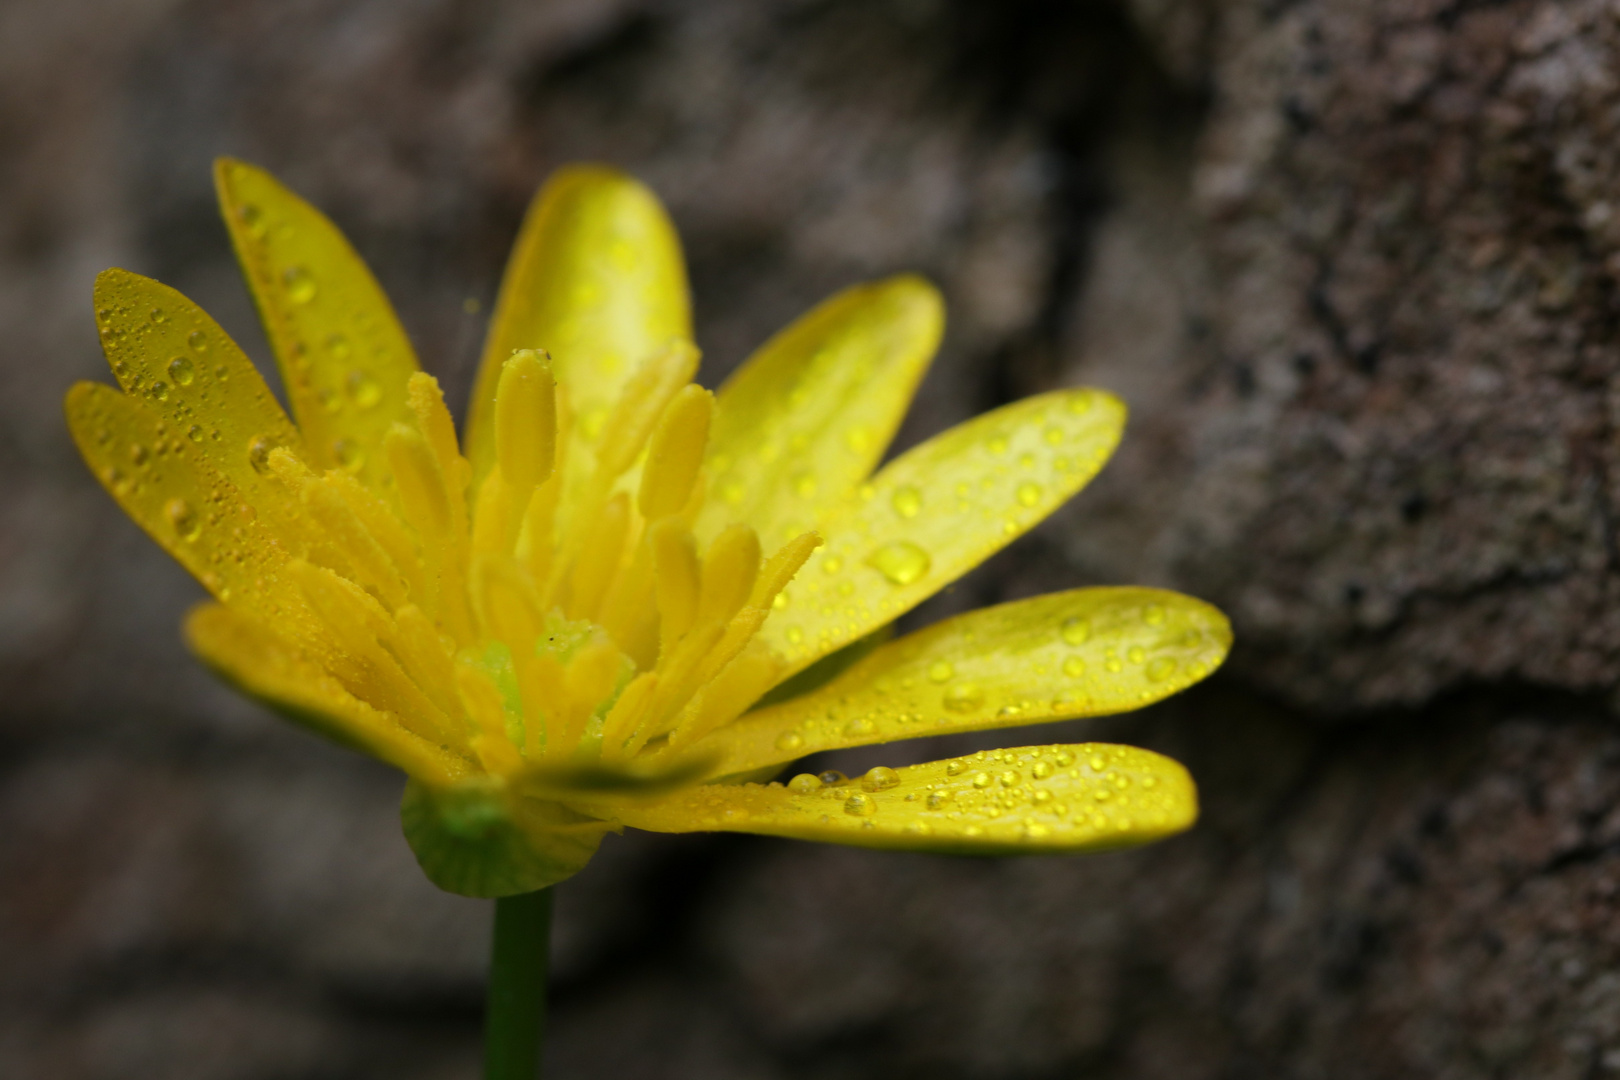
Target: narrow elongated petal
{"x":939,"y":510}
{"x":344,"y":358}
{"x":810,"y":414}
{"x":1089,"y":652}
{"x":248,"y":654}
{"x":597,"y":280}
{"x":165,"y":350}
{"x":1035,"y":800}
{"x":162,"y":480}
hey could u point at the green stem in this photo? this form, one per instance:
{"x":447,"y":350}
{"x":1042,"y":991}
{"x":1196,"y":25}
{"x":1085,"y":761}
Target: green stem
{"x":515,"y":1020}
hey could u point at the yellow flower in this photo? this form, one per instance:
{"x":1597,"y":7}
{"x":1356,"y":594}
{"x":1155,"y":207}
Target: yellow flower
{"x":632,"y":601}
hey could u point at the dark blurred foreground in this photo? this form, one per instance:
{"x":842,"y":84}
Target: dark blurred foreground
{"x":1353,"y":264}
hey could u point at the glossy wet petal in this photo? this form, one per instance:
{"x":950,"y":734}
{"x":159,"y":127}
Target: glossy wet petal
{"x":1032,"y":800}
{"x":168,"y":353}
{"x":344,"y":358}
{"x":598,"y":281}
{"x":1088,"y":652}
{"x":165,"y":483}
{"x":810,"y":414}
{"x":939,"y":510}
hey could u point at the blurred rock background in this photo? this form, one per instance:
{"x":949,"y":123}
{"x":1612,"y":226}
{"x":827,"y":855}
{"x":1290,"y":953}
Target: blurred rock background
{"x":1353,"y":263}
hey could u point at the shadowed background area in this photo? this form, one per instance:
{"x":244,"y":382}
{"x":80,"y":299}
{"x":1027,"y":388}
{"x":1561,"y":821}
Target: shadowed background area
{"x":1351,"y":262}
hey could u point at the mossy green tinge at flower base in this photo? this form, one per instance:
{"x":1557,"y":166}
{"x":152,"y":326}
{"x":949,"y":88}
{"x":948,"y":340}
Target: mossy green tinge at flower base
{"x":584,"y":614}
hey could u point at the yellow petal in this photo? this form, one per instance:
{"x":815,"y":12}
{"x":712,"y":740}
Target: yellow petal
{"x":597,"y":280}
{"x":479,"y":838}
{"x":806,"y":418}
{"x":937,"y":511}
{"x":344,"y":358}
{"x":1034,"y":800}
{"x":1089,"y":652}
{"x":165,"y":350}
{"x":254,"y":659}
{"x":162,"y":480}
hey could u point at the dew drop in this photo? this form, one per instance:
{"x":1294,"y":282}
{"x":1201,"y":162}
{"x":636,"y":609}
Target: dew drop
{"x":1076,"y":631}
{"x":956,"y":768}
{"x":198,"y":341}
{"x":901,"y":562}
{"x":981,"y":780}
{"x":253,"y":220}
{"x":363,"y":390}
{"x":937,"y":799}
{"x":299,"y":283}
{"x":964,"y":698}
{"x":1029,"y":494}
{"x":1010,"y":778}
{"x":159,"y":391}
{"x":832,"y":564}
{"x":833,"y":776}
{"x":880,"y":778}
{"x":182,"y":371}
{"x":1161,"y":669}
{"x":159,"y":316}
{"x":859,"y":726}
{"x":907,"y":501}
{"x":997,"y":444}
{"x":794,"y":635}
{"x":1136,"y":654}
{"x":789,"y":740}
{"x":1064,"y":759}
{"x":1074,"y":667}
{"x":1053,"y":436}
{"x":137,"y":455}
{"x":805,"y":783}
{"x":348,"y":454}
{"x":1080,"y":404}
{"x":1154,"y":615}
{"x":860,"y":805}
{"x":194,"y":433}
{"x":259,"y":454}
{"x":183,"y":518}
{"x":1042,"y":770}
{"x":338,"y":347}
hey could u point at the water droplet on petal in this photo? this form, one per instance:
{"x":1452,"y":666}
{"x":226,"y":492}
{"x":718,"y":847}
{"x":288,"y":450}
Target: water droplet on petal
{"x":860,"y":805}
{"x":1010,"y":778}
{"x":1154,"y":615}
{"x":363,"y":390}
{"x":1074,"y":667}
{"x":194,"y":433}
{"x":937,"y":799}
{"x":159,"y":391}
{"x":880,"y":778}
{"x":198,"y":341}
{"x":183,"y":518}
{"x":348,"y":454}
{"x":941,"y":671}
{"x":1041,"y":770}
{"x":299,"y":283}
{"x":981,"y":780}
{"x":1029,"y":494}
{"x":789,"y":740}
{"x":805,"y":783}
{"x":182,"y":371}
{"x":1161,"y":669}
{"x":956,"y":768}
{"x":901,"y":562}
{"x":159,"y":316}
{"x":907,"y":501}
{"x":833,"y":776}
{"x":253,"y":220}
{"x":964,"y":698}
{"x":1076,"y":631}
{"x":859,"y":726}
{"x":259,"y":454}
{"x":1136,"y":654}
{"x":338,"y":346}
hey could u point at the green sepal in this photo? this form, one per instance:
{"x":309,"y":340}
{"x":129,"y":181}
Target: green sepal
{"x":479,"y":839}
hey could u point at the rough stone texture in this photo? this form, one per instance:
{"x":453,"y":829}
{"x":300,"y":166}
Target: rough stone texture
{"x":1353,"y":265}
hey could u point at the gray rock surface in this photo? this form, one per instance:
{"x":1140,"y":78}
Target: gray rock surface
{"x":1351,"y":262}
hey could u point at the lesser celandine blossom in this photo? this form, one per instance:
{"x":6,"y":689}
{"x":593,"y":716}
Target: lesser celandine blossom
{"x":621,"y":600}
